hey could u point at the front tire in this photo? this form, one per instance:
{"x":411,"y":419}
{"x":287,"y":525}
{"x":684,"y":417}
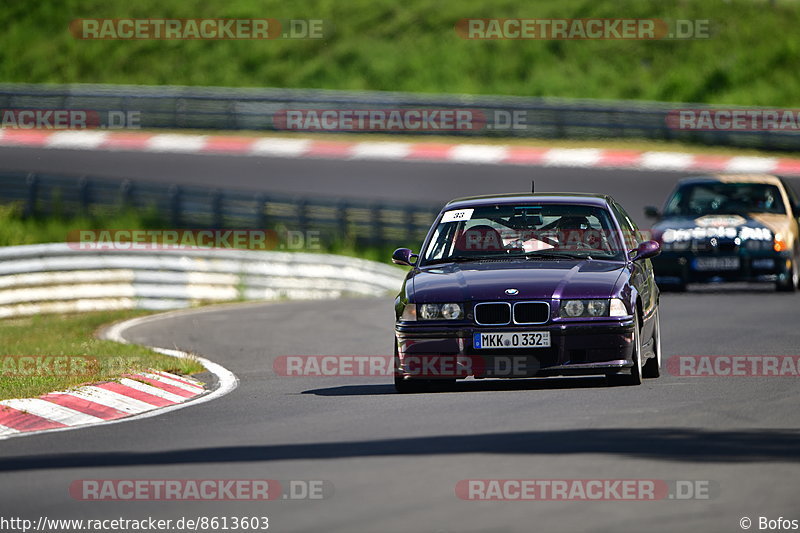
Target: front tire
{"x":635,"y":377}
{"x":409,"y":386}
{"x":792,"y":279}
{"x":652,"y":368}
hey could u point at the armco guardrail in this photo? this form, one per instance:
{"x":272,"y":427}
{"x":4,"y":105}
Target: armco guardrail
{"x":222,"y":108}
{"x":49,"y":278}
{"x":335,"y":220}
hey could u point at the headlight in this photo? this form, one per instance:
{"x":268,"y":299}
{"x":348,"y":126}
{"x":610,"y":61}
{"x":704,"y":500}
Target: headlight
{"x":597,"y":307}
{"x":572,"y":308}
{"x":429,"y":311}
{"x":591,"y":308}
{"x":449,"y":311}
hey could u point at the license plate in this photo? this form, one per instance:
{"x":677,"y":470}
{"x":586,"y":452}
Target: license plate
{"x":717,"y":263}
{"x":492,"y":340}
{"x":763,"y":264}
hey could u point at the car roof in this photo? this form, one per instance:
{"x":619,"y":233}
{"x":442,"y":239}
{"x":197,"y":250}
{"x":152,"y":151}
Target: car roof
{"x":578,"y":198}
{"x":733,"y":178}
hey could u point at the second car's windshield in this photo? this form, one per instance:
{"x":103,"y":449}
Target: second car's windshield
{"x":720,"y":197}
{"x":529,"y":230}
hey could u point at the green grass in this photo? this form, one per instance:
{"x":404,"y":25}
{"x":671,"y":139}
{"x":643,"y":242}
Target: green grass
{"x":751,"y":58}
{"x":73,"y":335}
{"x":15,"y":229}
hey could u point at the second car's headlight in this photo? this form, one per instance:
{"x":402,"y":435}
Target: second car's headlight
{"x":448,"y":311}
{"x":591,"y":308}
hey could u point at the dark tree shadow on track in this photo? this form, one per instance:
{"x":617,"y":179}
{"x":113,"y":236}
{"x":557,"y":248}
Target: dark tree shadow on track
{"x":666,"y":444}
{"x":471,"y":385}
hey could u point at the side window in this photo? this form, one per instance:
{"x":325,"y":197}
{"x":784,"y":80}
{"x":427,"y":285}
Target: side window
{"x":630,"y":231}
{"x":792,"y":197}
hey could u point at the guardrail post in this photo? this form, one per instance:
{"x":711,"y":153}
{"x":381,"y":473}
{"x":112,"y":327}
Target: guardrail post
{"x":216,"y":209}
{"x":33,"y":195}
{"x":302,"y":216}
{"x":377,"y":225}
{"x":175,"y":205}
{"x":410,"y":227}
{"x":126,"y":194}
{"x":261,"y":211}
{"x":83,"y":195}
{"x":341,"y":221}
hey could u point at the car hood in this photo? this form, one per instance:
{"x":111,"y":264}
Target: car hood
{"x":548,"y":279}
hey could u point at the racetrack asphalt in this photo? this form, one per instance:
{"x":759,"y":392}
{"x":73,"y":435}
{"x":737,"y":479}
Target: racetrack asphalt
{"x":394,"y":460}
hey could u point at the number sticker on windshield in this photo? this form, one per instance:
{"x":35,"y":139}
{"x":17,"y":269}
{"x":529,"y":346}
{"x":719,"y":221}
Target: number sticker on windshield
{"x":457,"y":215}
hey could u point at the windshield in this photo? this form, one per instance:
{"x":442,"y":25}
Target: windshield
{"x":526,"y":231}
{"x":719,"y":197}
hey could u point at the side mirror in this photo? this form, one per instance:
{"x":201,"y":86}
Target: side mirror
{"x":405,"y":257}
{"x":646,"y":250}
{"x":651,"y":212}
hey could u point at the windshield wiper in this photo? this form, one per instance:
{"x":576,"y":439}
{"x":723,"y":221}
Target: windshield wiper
{"x":550,"y":255}
{"x":465,"y":259}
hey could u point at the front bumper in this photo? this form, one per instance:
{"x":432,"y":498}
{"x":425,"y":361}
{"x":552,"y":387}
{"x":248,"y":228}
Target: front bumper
{"x":681,"y":267}
{"x":576,"y":348}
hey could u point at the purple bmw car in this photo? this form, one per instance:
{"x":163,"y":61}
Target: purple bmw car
{"x":524,"y":285}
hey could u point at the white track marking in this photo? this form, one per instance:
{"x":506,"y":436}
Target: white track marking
{"x":174,"y":383}
{"x":572,"y":157}
{"x":176,"y":143}
{"x":751,"y":164}
{"x":149,"y":389}
{"x":280,"y":147}
{"x":478,"y":153}
{"x":666,"y":161}
{"x":51,"y":411}
{"x":112,"y":399}
{"x":76,"y":139}
{"x":381,"y":150}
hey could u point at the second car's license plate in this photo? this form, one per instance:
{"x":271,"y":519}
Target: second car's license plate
{"x":534,"y":339}
{"x":716,"y":263}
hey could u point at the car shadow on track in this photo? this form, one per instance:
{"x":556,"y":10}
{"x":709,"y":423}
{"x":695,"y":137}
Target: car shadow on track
{"x":472,"y":385}
{"x":732,"y":289}
{"x":665,"y":444}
